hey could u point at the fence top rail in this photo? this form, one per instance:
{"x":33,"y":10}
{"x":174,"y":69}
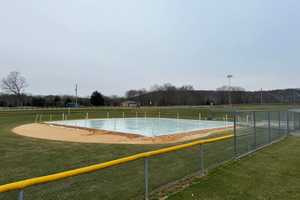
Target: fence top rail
{"x":259,"y":111}
{"x":295,"y":110}
{"x":19,"y":185}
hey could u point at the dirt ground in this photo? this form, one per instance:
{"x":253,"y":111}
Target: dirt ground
{"x":84,"y":135}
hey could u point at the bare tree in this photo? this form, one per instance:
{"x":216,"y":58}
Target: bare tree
{"x":14,"y":84}
{"x":164,"y":87}
{"x":186,"y":88}
{"x":135,"y":93}
{"x":156,"y":88}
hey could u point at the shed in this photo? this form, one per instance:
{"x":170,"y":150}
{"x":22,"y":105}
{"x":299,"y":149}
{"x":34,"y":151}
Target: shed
{"x":129,"y":104}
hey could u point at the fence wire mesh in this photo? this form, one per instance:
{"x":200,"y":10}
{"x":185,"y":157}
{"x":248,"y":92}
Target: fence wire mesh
{"x":127,"y":181}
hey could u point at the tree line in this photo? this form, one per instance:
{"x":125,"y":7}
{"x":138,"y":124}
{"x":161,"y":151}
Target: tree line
{"x":156,"y":88}
{"x":14,"y":85}
{"x":218,"y":97}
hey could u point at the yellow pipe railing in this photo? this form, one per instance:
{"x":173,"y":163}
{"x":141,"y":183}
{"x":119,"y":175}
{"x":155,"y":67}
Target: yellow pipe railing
{"x":19,"y":185}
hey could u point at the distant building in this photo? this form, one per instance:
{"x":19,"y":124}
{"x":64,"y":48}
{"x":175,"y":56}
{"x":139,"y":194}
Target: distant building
{"x":72,"y":105}
{"x":129,"y":104}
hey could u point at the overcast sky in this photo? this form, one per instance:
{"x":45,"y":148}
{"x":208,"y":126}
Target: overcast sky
{"x":116,"y":45}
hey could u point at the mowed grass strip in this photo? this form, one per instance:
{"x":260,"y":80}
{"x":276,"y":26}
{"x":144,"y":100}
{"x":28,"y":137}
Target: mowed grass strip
{"x":272,"y":173}
{"x":23,"y":157}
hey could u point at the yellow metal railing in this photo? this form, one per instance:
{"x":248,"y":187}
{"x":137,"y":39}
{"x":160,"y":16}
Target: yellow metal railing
{"x":20,"y":185}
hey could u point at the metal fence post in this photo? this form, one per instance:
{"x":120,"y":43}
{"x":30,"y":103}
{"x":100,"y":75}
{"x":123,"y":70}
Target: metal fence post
{"x":297,"y":118}
{"x":226,"y":120}
{"x":298,"y":115}
{"x":254,"y":128}
{"x":279,"y":120}
{"x":146,"y":170}
{"x":293,"y":120}
{"x":287,"y":122}
{"x":202,"y":158}
{"x":269,"y":127}
{"x":298,"y":125}
{"x":234,"y":131}
{"x":21,"y":195}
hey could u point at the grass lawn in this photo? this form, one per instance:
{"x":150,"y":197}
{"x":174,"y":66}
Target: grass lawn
{"x":23,"y":157}
{"x":272,"y":173}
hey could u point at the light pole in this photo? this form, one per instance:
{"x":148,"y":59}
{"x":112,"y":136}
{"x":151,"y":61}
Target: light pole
{"x":261,"y":96}
{"x":229,"y":88}
{"x":76,"y":95}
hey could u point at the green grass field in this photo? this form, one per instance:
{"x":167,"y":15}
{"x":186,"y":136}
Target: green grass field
{"x":28,"y":157}
{"x":24,"y":157}
{"x":272,"y":173}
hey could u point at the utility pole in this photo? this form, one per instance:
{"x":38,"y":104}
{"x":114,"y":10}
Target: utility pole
{"x":261,"y":96}
{"x":229,"y":88}
{"x":76,"y":94}
{"x":294,"y":96}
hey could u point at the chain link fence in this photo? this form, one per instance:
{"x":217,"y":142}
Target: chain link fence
{"x":142,"y":178}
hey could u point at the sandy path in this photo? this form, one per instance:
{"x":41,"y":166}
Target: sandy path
{"x":71,"y":134}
